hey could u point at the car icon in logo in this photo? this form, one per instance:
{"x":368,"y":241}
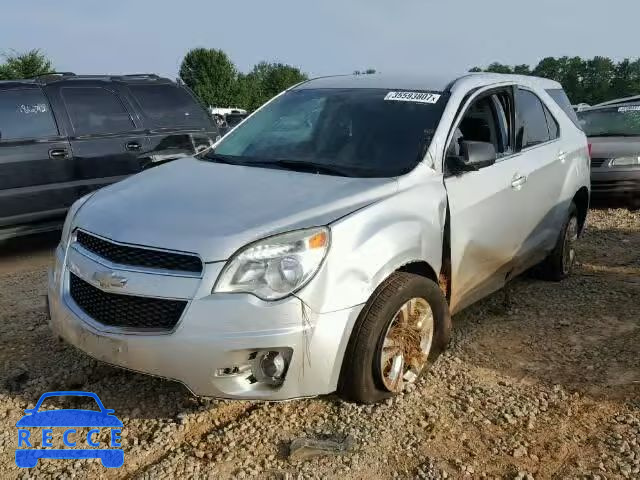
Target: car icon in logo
{"x":69,"y":419}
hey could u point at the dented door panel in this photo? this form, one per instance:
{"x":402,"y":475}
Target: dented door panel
{"x":486,"y":214}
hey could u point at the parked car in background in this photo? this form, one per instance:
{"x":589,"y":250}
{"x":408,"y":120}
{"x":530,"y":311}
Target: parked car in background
{"x":227,"y":118}
{"x":613,"y":130}
{"x":64,"y":135}
{"x":616,"y":101}
{"x":326,"y":241}
{"x":580,"y":106}
{"x":233,"y":119}
{"x":226,"y":111}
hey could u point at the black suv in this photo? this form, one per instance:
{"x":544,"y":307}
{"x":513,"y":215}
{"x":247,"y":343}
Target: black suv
{"x":64,"y":135}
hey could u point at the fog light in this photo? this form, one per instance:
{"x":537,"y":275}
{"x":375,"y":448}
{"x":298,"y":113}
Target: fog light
{"x":270,"y":366}
{"x":232,"y":371}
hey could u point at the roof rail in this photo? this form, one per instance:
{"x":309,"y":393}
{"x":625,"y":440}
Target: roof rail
{"x":618,"y":100}
{"x":44,"y":77}
{"x":141,"y":75}
{"x":47,"y":74}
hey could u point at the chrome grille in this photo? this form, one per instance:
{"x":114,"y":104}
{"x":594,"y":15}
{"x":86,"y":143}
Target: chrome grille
{"x":138,"y":256}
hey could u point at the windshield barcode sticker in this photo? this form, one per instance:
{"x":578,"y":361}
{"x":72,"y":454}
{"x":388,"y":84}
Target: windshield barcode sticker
{"x":632,"y":108}
{"x":419,"y":97}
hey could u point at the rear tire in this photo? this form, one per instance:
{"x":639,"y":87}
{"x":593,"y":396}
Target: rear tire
{"x":368,"y":365}
{"x":560,"y":262}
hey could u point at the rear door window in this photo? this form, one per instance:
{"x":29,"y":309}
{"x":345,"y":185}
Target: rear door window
{"x":531,"y":127}
{"x":170,"y":106}
{"x":96,"y":110}
{"x":24,"y":114}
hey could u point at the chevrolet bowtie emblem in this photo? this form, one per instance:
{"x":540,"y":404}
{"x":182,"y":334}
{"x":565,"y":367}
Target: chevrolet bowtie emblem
{"x":109,"y":279}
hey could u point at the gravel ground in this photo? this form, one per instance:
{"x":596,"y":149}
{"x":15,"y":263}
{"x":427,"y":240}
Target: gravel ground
{"x":547,"y":386}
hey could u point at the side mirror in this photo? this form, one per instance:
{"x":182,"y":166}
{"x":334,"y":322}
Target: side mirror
{"x":473,"y":156}
{"x":478,"y":154}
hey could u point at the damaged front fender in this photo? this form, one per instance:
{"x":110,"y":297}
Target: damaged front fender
{"x":372,"y":243}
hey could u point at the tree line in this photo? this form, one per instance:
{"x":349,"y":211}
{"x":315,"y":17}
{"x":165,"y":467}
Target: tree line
{"x":210,"y":73}
{"x":590,"y":81}
{"x":216,"y":81}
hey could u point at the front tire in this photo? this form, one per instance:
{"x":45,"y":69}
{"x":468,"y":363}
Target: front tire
{"x":559,"y":264}
{"x":402,"y":329}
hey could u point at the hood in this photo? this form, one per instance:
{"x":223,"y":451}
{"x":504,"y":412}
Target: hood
{"x":214,"y":209}
{"x":610,"y":147}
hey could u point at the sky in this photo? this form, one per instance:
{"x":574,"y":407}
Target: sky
{"x":321,"y":37}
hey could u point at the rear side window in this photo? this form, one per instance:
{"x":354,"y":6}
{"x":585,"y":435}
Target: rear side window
{"x":531,"y":127}
{"x":554,"y":129}
{"x":96,"y":110}
{"x":170,"y":106}
{"x":560,"y":97}
{"x":24,"y":114}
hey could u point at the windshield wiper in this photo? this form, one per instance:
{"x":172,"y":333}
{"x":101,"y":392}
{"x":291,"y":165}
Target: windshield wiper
{"x":218,"y":158}
{"x":305,"y":166}
{"x":295,"y":165}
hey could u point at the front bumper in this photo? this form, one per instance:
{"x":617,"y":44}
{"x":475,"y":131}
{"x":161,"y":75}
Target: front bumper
{"x":615,"y":182}
{"x":215,"y":332}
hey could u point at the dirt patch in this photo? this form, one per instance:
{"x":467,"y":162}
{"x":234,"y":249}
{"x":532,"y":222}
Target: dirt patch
{"x":548,"y":387}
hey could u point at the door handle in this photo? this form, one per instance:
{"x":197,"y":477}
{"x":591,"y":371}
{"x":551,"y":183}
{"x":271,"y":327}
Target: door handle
{"x":518,"y":182}
{"x":58,"y":153}
{"x":562,"y":156}
{"x":133,"y":146}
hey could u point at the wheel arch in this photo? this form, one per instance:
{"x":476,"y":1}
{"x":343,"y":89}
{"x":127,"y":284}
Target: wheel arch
{"x":581,"y":201}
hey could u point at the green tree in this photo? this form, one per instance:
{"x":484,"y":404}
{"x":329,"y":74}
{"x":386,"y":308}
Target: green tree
{"x":626,"y":79}
{"x":497,"y":67}
{"x":522,"y":69}
{"x":265,"y":81}
{"x":211,"y":75}
{"x":548,"y":67}
{"x":597,"y":79}
{"x":24,"y":65}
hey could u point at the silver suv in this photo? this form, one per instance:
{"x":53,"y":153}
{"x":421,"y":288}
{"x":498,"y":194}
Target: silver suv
{"x":324,"y":243}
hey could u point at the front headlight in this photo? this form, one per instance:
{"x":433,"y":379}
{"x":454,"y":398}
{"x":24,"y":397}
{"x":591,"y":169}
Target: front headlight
{"x":624,"y":162}
{"x":277,"y":266}
{"x":71,"y":215}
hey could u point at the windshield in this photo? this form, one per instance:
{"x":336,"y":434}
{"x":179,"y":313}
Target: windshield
{"x":611,"y":121}
{"x":353,"y":132}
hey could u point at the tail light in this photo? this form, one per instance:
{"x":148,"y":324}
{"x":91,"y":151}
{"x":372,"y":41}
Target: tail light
{"x":589,"y":145}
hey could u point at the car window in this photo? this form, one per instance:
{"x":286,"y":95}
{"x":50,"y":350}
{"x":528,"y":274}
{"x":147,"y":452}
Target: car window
{"x":554,"y":129}
{"x":618,"y":120}
{"x":531,"y":127}
{"x":488,"y":119}
{"x":560,"y":97}
{"x":25,"y":113}
{"x":366,"y":132}
{"x":169,"y":106}
{"x":503,"y":103}
{"x":96,"y":110}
